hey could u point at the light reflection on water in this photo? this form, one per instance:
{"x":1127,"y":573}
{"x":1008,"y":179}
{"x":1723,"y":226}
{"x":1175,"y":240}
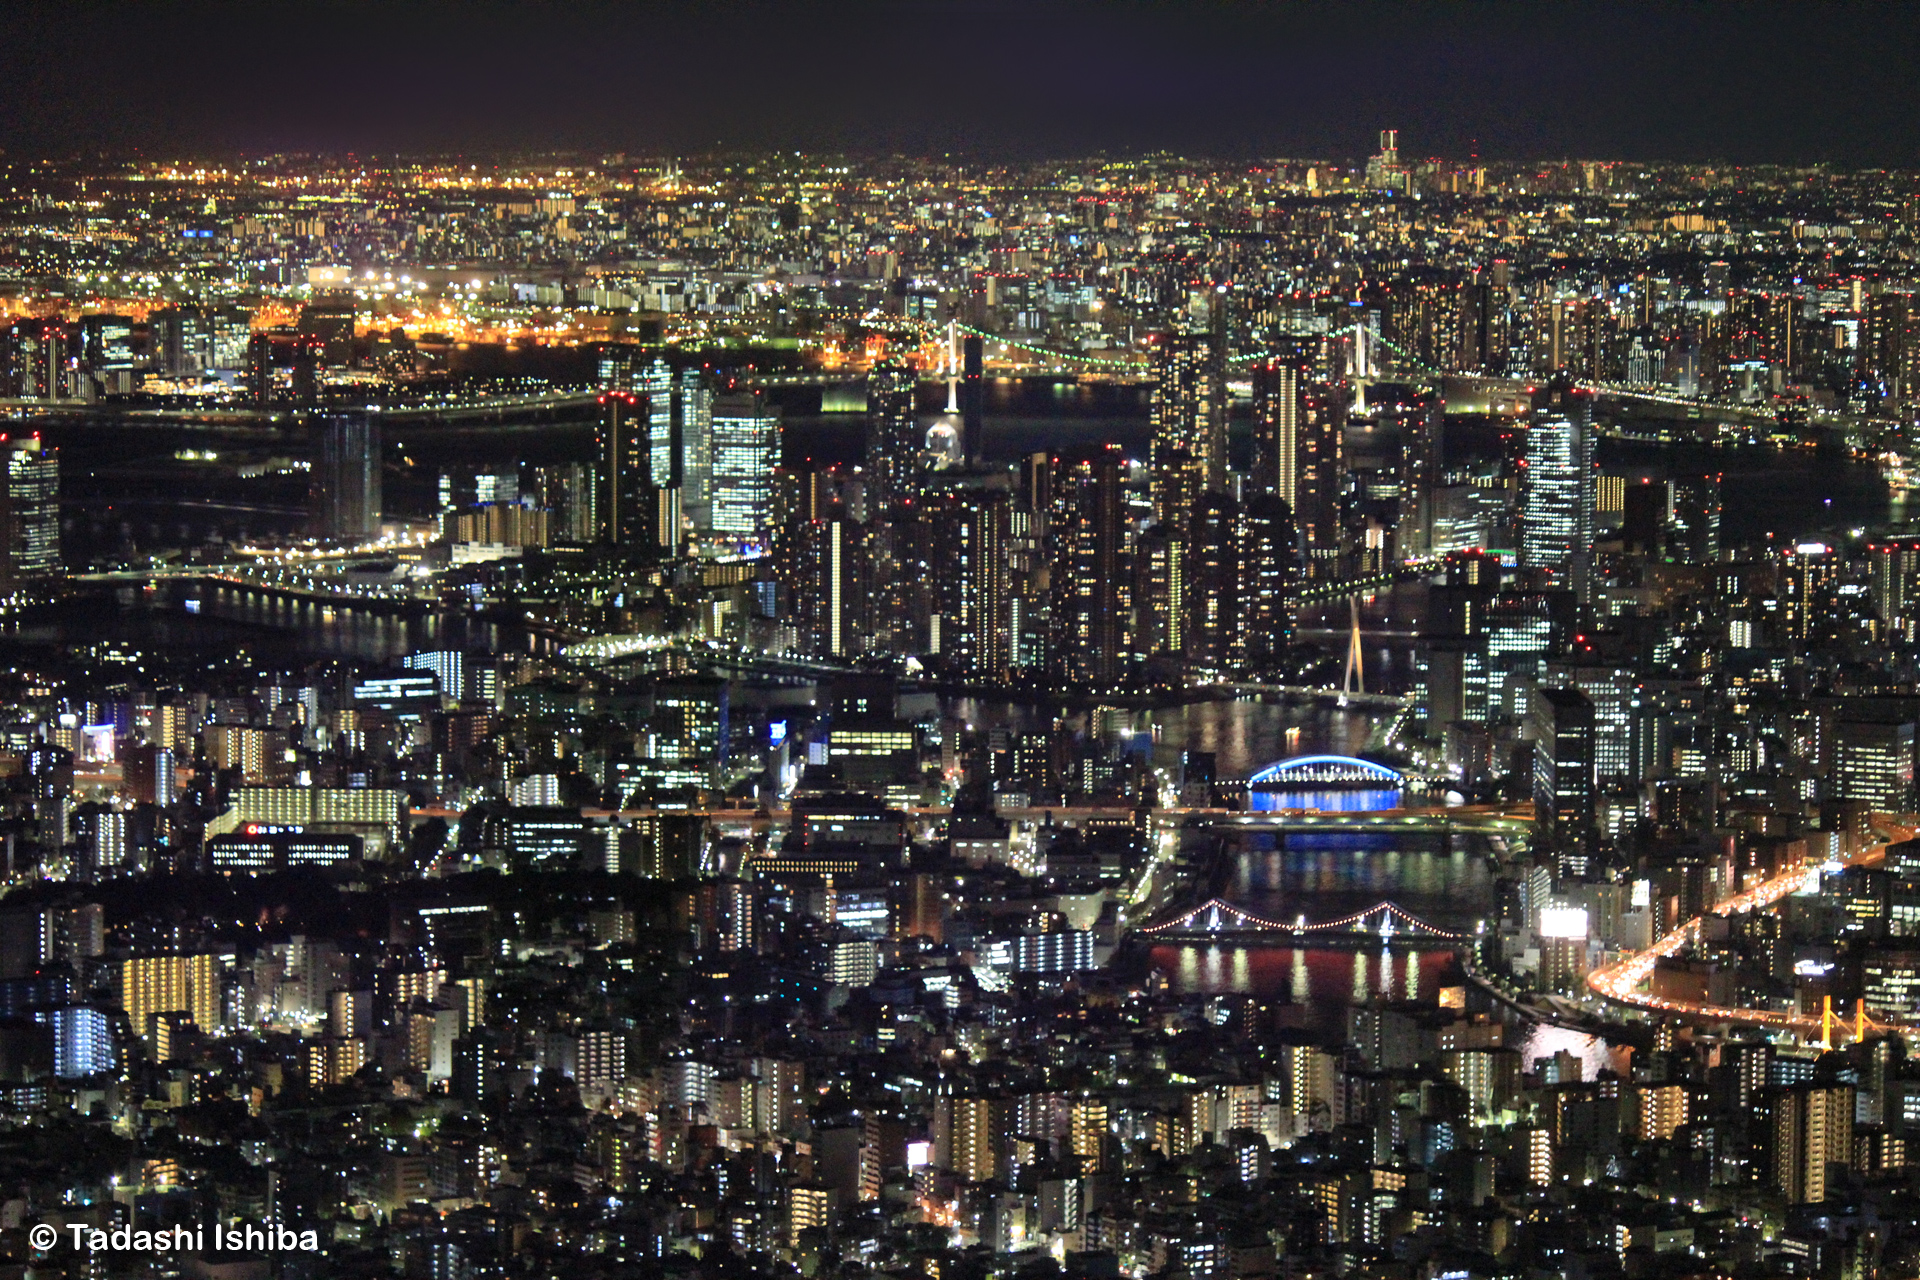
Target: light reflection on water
{"x":1323,"y":875}
{"x":1335,"y":801}
{"x":1537,"y":1040}
{"x":1325,"y":979}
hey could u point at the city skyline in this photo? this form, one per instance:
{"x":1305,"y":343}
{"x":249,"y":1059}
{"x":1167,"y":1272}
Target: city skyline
{"x":959,"y":642}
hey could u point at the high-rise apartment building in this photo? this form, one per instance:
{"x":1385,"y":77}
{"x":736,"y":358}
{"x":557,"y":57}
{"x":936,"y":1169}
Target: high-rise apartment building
{"x":1812,"y":1132}
{"x":825,"y":565}
{"x":967,"y":541}
{"x":1091,"y":562}
{"x":1188,"y":414}
{"x":150,"y":985}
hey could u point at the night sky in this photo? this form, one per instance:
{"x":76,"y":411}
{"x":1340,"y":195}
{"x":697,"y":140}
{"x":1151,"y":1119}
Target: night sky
{"x":1683,"y":81}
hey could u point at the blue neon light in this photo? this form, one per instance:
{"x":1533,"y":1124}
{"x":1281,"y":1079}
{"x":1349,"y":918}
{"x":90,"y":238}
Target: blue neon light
{"x":1275,"y":771}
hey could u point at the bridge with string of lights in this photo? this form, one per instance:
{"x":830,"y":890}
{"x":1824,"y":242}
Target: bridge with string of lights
{"x":1132,"y":365}
{"x":1384,"y":924}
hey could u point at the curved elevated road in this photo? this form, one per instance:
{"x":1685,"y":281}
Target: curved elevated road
{"x":1621,"y":981}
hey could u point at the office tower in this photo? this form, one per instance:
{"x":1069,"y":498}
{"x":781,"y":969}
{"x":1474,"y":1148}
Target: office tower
{"x":29,"y":512}
{"x":345,"y":484}
{"x":1873,"y":762}
{"x":1189,"y":421}
{"x":36,"y":358}
{"x":1091,"y":599}
{"x":746,"y":441}
{"x":1812,"y":1131}
{"x":627,"y":504}
{"x":1646,"y":509}
{"x":1269,"y":570}
{"x":824,"y":563}
{"x":973,"y":393}
{"x":967,"y":540}
{"x":1384,"y":170}
{"x":1563,"y":769}
{"x":328,"y":324}
{"x":693,"y":423}
{"x":1557,"y":520}
{"x":229,"y":331}
{"x":179,"y":341}
{"x":106,"y":354}
{"x":653,"y":380}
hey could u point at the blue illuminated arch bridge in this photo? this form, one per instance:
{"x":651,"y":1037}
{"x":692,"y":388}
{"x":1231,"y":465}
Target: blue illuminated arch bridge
{"x":1308,"y":772}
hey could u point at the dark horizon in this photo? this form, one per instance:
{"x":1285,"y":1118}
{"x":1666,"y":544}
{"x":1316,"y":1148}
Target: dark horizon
{"x":1701,"y":83}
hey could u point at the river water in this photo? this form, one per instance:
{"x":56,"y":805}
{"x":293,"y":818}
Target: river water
{"x":1317,"y":877}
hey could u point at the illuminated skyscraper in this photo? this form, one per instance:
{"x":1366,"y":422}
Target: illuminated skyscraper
{"x":1282,"y":454}
{"x":1269,"y":571}
{"x":1091,"y":594}
{"x":29,"y":512}
{"x":693,"y":427}
{"x":35,"y":358}
{"x":1188,"y":412}
{"x":1563,"y":769}
{"x":346,"y":474}
{"x":1240,"y":565}
{"x":746,"y":442}
{"x":1422,"y":474}
{"x":973,"y":393}
{"x":567,"y":490}
{"x":1812,"y":1130}
{"x":1557,"y":523}
{"x":678,"y":432}
{"x":1889,"y":345}
{"x":1213,"y":582}
{"x":1384,"y":171}
{"x":893,"y":438}
{"x":627,"y":504}
{"x":1297,"y":454}
{"x":1694,"y":535}
{"x":825,"y":566}
{"x":967,"y":537}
